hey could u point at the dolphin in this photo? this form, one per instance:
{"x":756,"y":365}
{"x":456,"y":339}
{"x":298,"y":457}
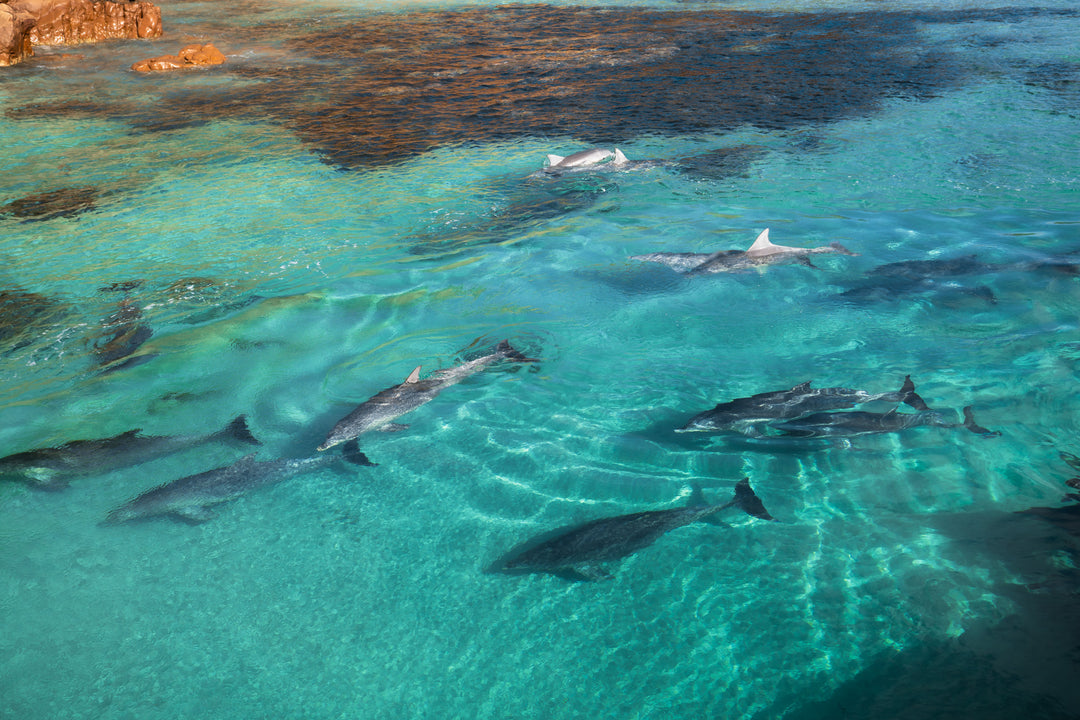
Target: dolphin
{"x":576,"y":552}
{"x":53,"y":468}
{"x":744,"y":415}
{"x":192,"y":498}
{"x":761,"y":252}
{"x":591,"y":159}
{"x":858,"y":422}
{"x":380,"y":411}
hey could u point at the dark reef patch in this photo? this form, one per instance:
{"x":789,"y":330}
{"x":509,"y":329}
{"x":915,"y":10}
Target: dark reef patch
{"x":381,"y":89}
{"x":65,"y":202}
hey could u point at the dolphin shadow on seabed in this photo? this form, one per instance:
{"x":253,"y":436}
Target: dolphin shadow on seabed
{"x":577,"y":552}
{"x":945,"y":281}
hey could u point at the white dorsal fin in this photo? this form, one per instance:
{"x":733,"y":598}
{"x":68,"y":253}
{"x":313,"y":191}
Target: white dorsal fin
{"x":413,"y":376}
{"x":554,"y":160}
{"x":620,"y":159}
{"x":761,"y":244}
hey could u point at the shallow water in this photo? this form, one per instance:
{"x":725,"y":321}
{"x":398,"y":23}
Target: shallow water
{"x":350,"y":196}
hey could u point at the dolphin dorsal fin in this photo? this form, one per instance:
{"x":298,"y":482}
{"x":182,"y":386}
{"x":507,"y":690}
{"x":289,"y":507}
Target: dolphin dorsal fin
{"x":619,"y":158}
{"x":802,"y":387}
{"x":414,"y":376}
{"x":554,"y":160}
{"x":761,"y":244}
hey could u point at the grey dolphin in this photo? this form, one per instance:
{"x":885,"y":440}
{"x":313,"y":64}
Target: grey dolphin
{"x":590,"y":159}
{"x":380,"y":411}
{"x":745,"y":415}
{"x":576,"y":552}
{"x":858,"y":422}
{"x":191,"y":498}
{"x":761,"y":252}
{"x":53,"y":468}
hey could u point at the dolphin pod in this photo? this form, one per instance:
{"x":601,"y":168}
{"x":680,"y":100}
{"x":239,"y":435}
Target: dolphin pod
{"x":578,"y":552}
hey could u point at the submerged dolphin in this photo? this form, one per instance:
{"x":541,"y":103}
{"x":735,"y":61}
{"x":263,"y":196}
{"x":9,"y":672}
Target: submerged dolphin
{"x":191,"y":498}
{"x":585,"y":160}
{"x":380,"y":411}
{"x":53,"y":468}
{"x":575,"y":553}
{"x":849,"y":424}
{"x":744,"y":415}
{"x":761,"y":252}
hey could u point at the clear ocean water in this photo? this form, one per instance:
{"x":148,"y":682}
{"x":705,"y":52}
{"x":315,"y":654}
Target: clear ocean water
{"x":351,"y":195}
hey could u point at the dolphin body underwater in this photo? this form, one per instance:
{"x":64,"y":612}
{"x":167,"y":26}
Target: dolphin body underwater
{"x":380,"y":411}
{"x":761,"y":253}
{"x":859,"y":422}
{"x":53,"y":468}
{"x":192,"y":498}
{"x":576,"y":553}
{"x":746,"y":415}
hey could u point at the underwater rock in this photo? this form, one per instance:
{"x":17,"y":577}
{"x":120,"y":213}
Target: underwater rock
{"x":65,"y":202}
{"x":21,"y":312}
{"x":189,"y":56}
{"x":15,"y":29}
{"x":122,"y":333}
{"x":70,"y":22}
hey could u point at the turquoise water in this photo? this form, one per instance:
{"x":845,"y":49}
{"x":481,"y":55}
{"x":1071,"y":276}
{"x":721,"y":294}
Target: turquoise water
{"x":350,"y":197}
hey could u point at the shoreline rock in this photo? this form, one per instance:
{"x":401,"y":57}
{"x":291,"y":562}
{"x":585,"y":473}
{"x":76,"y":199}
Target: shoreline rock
{"x":26,"y":23}
{"x":189,"y":56}
{"x":15,"y":27}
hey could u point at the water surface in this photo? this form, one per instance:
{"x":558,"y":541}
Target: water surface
{"x":351,"y":195}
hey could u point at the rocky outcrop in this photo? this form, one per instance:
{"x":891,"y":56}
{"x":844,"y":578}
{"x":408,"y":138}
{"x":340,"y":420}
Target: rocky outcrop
{"x":15,"y":29}
{"x":24,"y":23}
{"x":189,"y":56}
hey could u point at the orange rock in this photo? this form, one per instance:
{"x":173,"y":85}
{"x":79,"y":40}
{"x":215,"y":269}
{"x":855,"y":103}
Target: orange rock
{"x":69,"y":22}
{"x":189,"y":56}
{"x":15,"y":27}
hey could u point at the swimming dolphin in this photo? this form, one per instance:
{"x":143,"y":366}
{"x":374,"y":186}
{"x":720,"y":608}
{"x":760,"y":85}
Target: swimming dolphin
{"x":191,"y":498}
{"x":53,"y":468}
{"x":380,"y":411}
{"x":591,"y":159}
{"x":761,"y":252}
{"x":858,"y":422}
{"x":745,"y":415}
{"x":575,"y":553}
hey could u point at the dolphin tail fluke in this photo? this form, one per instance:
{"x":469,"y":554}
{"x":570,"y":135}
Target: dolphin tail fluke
{"x":970,"y":424}
{"x":508,"y":351}
{"x":352,"y":454}
{"x":749,"y":502}
{"x":239,"y":431}
{"x":909,"y":397}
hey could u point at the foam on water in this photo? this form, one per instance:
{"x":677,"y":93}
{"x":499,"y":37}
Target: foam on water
{"x":288,"y":275}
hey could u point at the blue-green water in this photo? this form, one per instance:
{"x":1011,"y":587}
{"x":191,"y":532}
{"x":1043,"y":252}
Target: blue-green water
{"x":349,"y":197}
